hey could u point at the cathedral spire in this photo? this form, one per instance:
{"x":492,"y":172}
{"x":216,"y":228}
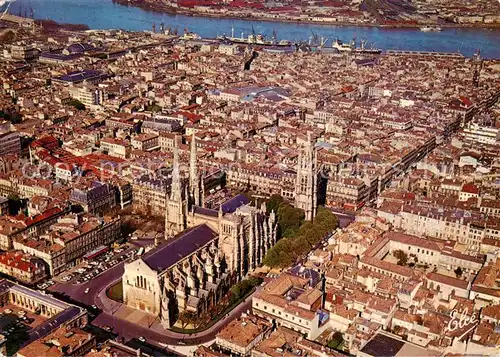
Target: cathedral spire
{"x":194,"y":179}
{"x":175,"y":193}
{"x":193,"y":169}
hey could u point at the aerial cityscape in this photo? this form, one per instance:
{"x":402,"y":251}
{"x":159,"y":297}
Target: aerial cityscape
{"x":249,"y":178}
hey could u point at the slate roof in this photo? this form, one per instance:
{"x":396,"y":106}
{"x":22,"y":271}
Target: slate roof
{"x":79,"y":48}
{"x":382,"y":345}
{"x":60,"y":56}
{"x":69,"y":312}
{"x":237,"y":201}
{"x":51,"y":324}
{"x":206,"y":211}
{"x":79,"y":76}
{"x":97,"y":191}
{"x":173,"y":251}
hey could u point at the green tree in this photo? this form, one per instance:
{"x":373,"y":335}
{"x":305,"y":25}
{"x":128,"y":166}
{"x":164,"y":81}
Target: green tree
{"x":274,"y":203}
{"x":401,"y":256}
{"x":153,"y":108}
{"x":77,"y":104}
{"x":289,"y":219}
{"x":298,"y":237}
{"x":336,"y":340}
{"x":243,"y":287}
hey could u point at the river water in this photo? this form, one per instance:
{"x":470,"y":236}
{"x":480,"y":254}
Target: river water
{"x":99,"y":14}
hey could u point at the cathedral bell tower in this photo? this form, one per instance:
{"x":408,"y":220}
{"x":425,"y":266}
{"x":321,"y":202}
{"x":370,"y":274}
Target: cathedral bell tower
{"x":175,"y":210}
{"x":194,"y":176}
{"x":306,"y":185}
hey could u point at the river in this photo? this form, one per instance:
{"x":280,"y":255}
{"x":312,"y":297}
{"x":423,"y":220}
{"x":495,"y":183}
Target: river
{"x":100,"y":14}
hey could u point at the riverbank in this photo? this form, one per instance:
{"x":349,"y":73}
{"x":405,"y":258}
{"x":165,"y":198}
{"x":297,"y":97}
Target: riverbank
{"x":106,"y":14}
{"x":51,"y":25}
{"x":158,"y":7}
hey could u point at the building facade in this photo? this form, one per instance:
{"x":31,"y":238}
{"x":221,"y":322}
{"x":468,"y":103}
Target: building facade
{"x":23,"y":267}
{"x":68,"y":240}
{"x":10,"y":141}
{"x":98,"y":198}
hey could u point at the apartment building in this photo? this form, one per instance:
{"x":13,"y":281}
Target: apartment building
{"x":116,"y":147}
{"x":10,"y":141}
{"x":242,"y":335}
{"x":145,"y":142}
{"x":89,"y":95}
{"x":25,"y":53}
{"x":95,"y":197}
{"x":481,"y":134}
{"x":22,"y":267}
{"x":447,"y":223}
{"x":68,"y":240}
{"x":291,"y":303}
{"x":149,"y":194}
{"x":347,"y":193}
{"x":4,"y":205}
{"x":63,"y":342}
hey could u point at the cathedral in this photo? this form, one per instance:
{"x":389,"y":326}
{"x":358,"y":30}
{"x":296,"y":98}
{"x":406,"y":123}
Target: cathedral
{"x":205,"y":250}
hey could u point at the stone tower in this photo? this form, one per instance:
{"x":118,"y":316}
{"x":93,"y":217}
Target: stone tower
{"x":176,"y":205}
{"x":306,"y":186}
{"x":194,"y":177}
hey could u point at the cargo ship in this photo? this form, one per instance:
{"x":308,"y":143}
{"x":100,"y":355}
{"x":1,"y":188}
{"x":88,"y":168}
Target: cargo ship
{"x":190,"y":36}
{"x":351,"y":47}
{"x":254,"y":39}
{"x":431,"y":29}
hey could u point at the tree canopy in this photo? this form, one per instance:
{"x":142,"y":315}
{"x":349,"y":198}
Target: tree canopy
{"x":243,"y":287}
{"x":297,"y":237}
{"x":153,"y":108}
{"x":12,"y":116}
{"x":401,"y":256}
{"x":77,"y":104}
